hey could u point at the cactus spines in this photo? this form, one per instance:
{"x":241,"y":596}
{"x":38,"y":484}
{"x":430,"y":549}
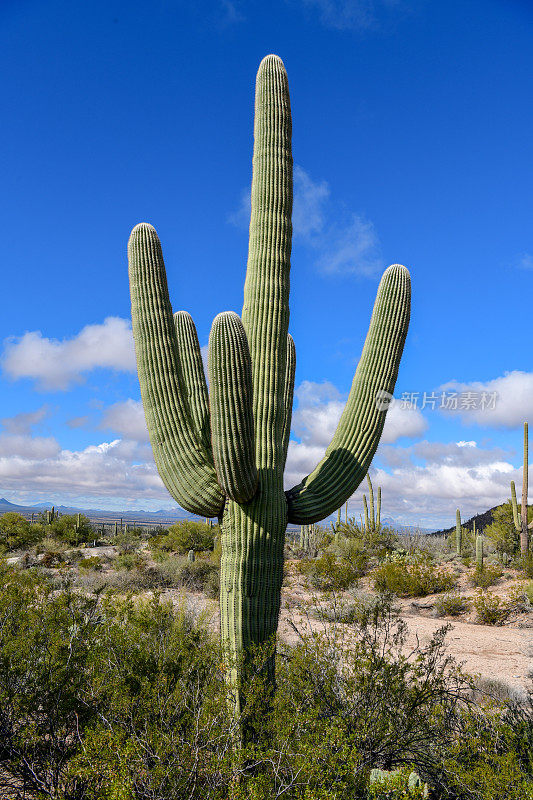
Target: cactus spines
{"x":237,"y":473}
{"x":520,"y":521}
{"x":458,"y":533}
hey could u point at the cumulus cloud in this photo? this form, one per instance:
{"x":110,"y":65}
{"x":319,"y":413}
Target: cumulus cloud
{"x":127,"y":420}
{"x":343,"y":243}
{"x":315,"y":420}
{"x":57,"y":364}
{"x":109,"y":470}
{"x":25,"y":421}
{"x":505,"y":402}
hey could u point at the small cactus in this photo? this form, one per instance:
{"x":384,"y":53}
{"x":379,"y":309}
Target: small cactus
{"x":191,"y":557}
{"x":479,"y":551}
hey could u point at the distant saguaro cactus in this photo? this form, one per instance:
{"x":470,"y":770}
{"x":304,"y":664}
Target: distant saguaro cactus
{"x":225,"y":455}
{"x":372,"y":517}
{"x":520,"y":521}
{"x":458,"y":533}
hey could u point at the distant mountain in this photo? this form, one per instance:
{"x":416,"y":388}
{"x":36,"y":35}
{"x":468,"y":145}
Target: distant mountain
{"x":482,"y":521}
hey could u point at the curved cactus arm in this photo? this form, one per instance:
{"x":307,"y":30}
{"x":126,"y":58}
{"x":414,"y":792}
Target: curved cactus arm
{"x":182,"y":462}
{"x":290,"y":370}
{"x":232,"y":422}
{"x":192,"y":370}
{"x":265,"y":313}
{"x":352,"y":448}
{"x":514,"y":504}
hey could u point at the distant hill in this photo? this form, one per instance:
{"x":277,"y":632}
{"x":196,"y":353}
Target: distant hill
{"x":482,"y":521}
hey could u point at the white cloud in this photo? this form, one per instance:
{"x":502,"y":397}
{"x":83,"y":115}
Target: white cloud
{"x":109,"y":470}
{"x":25,"y":421}
{"x":350,"y":14}
{"x":126,"y":419}
{"x":343,"y":243}
{"x":502,"y":402}
{"x":400,"y":422}
{"x":57,"y":364}
{"x":315,"y":420}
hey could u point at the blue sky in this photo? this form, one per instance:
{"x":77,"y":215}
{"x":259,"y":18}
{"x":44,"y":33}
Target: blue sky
{"x":412,"y":130}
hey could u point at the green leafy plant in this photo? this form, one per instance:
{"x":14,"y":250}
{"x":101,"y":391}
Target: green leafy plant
{"x":329,"y":574}
{"x":452,"y":604}
{"x":491,"y":609}
{"x":185,"y":536}
{"x":485,"y":576}
{"x":416,"y":579}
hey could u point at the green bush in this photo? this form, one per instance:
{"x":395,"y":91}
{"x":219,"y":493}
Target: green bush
{"x":491,"y":609}
{"x":329,"y":574}
{"x":407,"y":579}
{"x":16,"y":533}
{"x":396,"y":785}
{"x":90,"y":563}
{"x":452,"y":604}
{"x":185,"y":536}
{"x":120,"y":699}
{"x":486,"y":576}
{"x":129,"y":560}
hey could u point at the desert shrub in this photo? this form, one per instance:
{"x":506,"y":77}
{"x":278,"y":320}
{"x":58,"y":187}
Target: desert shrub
{"x":487,"y":576}
{"x":452,"y":604}
{"x":349,"y":612}
{"x":502,"y":532}
{"x":127,"y":541}
{"x":491,"y":609}
{"x":129,"y":560}
{"x":64,"y":529}
{"x":16,"y":533}
{"x":526,"y":564}
{"x":395,"y":785}
{"x":185,"y":536}
{"x":120,"y":699}
{"x":90,"y":563}
{"x":329,"y":574}
{"x":412,"y":579}
{"x":374,"y":543}
{"x":352,"y":551}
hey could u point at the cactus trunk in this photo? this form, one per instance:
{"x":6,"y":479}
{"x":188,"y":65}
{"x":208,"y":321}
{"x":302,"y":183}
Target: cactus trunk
{"x":458,"y":533}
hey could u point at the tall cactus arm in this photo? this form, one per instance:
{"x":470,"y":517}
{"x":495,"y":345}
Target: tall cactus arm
{"x":232,"y":423}
{"x":352,"y":448}
{"x":288,"y":394}
{"x":192,"y":369}
{"x":514,"y":504}
{"x":265,"y":312}
{"x":378,"y":512}
{"x":183,"y":463}
{"x":367,"y":521}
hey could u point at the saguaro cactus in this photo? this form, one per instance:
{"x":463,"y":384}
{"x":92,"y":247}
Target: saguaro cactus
{"x":520,"y":521}
{"x":458,"y":533}
{"x":226,"y":455}
{"x":372,"y":517}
